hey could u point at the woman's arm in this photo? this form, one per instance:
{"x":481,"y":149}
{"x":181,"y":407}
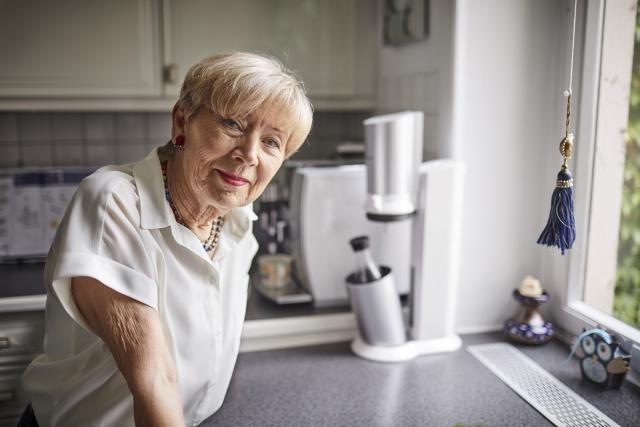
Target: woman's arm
{"x":133,"y":333}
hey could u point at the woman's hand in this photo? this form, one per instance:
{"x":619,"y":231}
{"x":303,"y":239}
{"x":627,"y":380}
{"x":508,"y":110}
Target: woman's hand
{"x":133,"y":333}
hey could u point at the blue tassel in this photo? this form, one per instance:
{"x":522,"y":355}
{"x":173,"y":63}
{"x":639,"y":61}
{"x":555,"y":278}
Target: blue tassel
{"x":560,"y":230}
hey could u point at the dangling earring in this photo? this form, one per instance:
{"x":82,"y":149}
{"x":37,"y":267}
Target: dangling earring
{"x":179,"y":144}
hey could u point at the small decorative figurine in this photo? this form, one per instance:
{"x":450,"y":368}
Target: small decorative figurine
{"x":528,"y":326}
{"x":603,"y":358}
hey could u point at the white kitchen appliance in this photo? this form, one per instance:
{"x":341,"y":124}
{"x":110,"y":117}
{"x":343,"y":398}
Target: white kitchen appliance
{"x":427,"y":197}
{"x":327,"y":205}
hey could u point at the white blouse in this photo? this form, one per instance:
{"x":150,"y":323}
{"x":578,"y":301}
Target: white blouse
{"x":120,"y":230}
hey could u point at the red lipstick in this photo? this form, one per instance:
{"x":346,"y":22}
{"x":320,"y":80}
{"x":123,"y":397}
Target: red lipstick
{"x":231,"y":179}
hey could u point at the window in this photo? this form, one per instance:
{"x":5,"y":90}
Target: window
{"x":626,"y":302}
{"x":603,"y":275}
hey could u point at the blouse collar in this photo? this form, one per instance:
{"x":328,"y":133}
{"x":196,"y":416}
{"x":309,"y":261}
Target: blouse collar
{"x":155,"y":212}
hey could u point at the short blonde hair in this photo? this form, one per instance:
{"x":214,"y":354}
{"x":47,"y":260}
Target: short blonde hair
{"x":236,"y":84}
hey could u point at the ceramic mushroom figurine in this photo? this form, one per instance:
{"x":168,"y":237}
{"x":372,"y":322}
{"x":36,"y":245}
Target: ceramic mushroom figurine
{"x":527,"y":325}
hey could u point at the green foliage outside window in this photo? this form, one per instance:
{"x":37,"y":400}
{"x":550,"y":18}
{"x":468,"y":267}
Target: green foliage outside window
{"x":626,"y":305}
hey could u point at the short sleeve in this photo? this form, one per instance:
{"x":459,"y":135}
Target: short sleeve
{"x":101,"y":237}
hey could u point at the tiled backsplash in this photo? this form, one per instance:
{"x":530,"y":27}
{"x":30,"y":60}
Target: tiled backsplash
{"x":95,"y":139}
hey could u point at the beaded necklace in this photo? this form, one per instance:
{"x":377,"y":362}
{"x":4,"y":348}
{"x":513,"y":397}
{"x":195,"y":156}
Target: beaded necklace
{"x":211,"y":242}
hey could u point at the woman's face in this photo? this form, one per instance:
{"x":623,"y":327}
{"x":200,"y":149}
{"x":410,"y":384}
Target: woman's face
{"x":228,"y":160}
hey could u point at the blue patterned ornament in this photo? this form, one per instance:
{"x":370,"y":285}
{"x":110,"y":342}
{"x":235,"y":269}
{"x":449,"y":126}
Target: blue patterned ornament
{"x":527,"y":326}
{"x":604,"y":357}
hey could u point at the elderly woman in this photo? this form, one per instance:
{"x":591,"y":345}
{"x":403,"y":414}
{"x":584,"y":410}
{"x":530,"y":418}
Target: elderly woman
{"x":147,"y":276}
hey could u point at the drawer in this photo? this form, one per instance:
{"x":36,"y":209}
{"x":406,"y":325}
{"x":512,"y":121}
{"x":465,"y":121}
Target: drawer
{"x":21,"y":339}
{"x":21,"y":332}
{"x":13,"y":398}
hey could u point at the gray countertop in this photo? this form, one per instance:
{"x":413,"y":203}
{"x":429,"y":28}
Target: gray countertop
{"x":327,"y":385}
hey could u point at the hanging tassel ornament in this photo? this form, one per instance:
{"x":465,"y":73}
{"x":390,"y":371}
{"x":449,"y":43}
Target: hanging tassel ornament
{"x":560,"y":230}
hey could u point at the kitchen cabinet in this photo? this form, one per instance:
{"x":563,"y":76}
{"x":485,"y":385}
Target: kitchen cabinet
{"x":78,"y":48}
{"x":133,"y":55}
{"x":21,"y":338}
{"x":331,"y":44}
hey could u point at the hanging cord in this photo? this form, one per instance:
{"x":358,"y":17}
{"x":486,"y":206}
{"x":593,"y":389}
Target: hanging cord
{"x":566,"y":145}
{"x":565,"y":150}
{"x":560,"y":230}
{"x":573,"y":45}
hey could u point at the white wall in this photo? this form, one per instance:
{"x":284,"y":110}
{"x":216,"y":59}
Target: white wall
{"x":509,"y":72}
{"x":418,"y":76}
{"x":494,"y":73}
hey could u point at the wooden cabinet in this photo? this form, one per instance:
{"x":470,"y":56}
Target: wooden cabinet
{"x":79,"y":48}
{"x":118,"y":51}
{"x":21,"y":339}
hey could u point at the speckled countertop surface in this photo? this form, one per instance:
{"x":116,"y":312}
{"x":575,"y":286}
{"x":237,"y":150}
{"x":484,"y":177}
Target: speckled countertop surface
{"x":327,"y":385}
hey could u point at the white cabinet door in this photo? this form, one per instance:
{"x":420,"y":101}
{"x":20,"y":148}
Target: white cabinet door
{"x":322,"y":40}
{"x":80,"y":48}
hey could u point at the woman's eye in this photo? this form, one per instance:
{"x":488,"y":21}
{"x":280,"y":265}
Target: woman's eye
{"x":271,"y":142}
{"x":234,"y":124}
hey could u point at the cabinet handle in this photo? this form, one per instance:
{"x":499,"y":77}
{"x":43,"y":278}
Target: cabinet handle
{"x":6,"y":396}
{"x":171,"y":74}
{"x":4,"y":342}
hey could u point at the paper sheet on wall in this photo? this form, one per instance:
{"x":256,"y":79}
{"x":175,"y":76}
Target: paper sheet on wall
{"x":26,"y":219}
{"x":32,"y":205}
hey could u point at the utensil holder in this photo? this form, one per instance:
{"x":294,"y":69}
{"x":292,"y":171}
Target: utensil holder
{"x":377,"y":308}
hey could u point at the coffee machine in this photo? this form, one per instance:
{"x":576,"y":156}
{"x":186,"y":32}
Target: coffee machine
{"x":326,"y":203}
{"x":427,"y":198}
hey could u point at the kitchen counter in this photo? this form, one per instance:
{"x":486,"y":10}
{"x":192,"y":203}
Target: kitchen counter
{"x":22,"y":289}
{"x":259,"y":307}
{"x":21,"y":279}
{"x":327,"y":385}
{"x":267,"y":325}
